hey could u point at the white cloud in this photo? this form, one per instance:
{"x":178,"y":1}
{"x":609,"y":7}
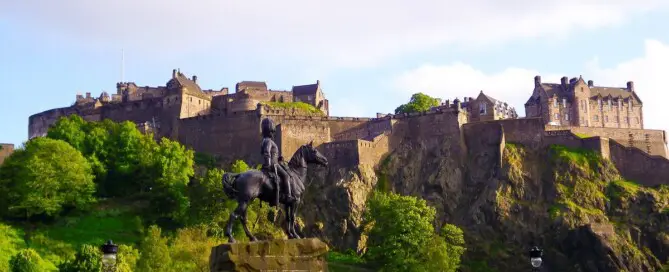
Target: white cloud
{"x":339,"y":33}
{"x":514,"y":85}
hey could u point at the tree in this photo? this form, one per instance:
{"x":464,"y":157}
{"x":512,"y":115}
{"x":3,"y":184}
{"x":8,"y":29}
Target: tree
{"x":402,"y":237}
{"x":126,"y":260}
{"x":87,"y":259}
{"x":155,"y":254}
{"x":191,"y":248}
{"x":419,"y":102}
{"x":26,"y":260}
{"x":43,"y":178}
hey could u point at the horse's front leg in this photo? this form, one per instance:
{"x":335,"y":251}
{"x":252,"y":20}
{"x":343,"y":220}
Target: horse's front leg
{"x":293,"y":212}
{"x":241,"y":210}
{"x":289,"y":226}
{"x":231,"y":221}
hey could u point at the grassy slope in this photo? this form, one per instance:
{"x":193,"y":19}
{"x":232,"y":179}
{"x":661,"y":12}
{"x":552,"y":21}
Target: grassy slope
{"x":58,"y":241}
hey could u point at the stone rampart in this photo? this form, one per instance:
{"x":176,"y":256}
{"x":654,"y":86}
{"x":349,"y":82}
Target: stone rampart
{"x":341,"y":154}
{"x":637,"y":165}
{"x":5,"y":151}
{"x":371,"y":152}
{"x":651,"y":141}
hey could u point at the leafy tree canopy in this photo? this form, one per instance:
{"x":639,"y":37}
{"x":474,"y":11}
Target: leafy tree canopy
{"x":43,"y":178}
{"x":26,"y":260}
{"x":402,"y":237}
{"x":419,"y":102}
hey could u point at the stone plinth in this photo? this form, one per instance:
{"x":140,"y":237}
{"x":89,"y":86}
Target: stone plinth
{"x":274,"y":255}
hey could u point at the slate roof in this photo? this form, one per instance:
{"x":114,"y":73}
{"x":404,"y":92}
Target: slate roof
{"x":310,"y":89}
{"x":182,"y":81}
{"x":613,"y":92}
{"x":253,"y":84}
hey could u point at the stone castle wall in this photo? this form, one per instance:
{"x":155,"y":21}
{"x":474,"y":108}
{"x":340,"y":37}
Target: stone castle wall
{"x":651,"y":141}
{"x":638,"y":166}
{"x":5,"y":151}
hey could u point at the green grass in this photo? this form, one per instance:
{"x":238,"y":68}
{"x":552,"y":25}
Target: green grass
{"x":622,"y":189}
{"x":581,"y":135}
{"x":348,"y":261}
{"x":585,"y":158}
{"x":294,"y":105}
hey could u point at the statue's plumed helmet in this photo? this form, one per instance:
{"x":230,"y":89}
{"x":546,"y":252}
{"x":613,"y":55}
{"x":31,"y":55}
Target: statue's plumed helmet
{"x":267,"y":127}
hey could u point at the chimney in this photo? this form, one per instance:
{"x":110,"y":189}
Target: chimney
{"x":174,"y":73}
{"x":88,"y":95}
{"x":591,"y":83}
{"x":318,"y":82}
{"x":537,"y":81}
{"x":630,"y":86}
{"x":194,"y":79}
{"x":563,"y":81}
{"x":572,"y":80}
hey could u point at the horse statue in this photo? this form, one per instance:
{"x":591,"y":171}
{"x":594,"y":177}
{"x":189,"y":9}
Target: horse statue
{"x":252,"y":184}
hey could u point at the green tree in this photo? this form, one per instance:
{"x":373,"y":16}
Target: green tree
{"x":419,"y":102}
{"x":155,"y":253}
{"x":191,"y":248}
{"x":239,"y":166}
{"x":26,"y":260}
{"x":402,"y":237}
{"x":126,"y":260}
{"x":11,"y":242}
{"x":87,"y":259}
{"x":43,"y":178}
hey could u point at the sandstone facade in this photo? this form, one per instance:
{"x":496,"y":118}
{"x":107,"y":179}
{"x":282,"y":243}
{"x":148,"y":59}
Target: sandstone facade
{"x":274,"y":255}
{"x":5,"y":151}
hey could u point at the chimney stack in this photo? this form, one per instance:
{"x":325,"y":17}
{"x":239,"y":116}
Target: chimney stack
{"x":88,"y":95}
{"x":537,"y":81}
{"x":591,"y":83}
{"x":318,"y":82}
{"x":563,"y":81}
{"x":174,"y":73}
{"x":630,"y":86}
{"x":194,"y":79}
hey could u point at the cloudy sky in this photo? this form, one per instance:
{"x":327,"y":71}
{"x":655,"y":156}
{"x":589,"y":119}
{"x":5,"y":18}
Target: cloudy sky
{"x":370,"y":56}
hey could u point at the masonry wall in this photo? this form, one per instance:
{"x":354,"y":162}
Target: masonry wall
{"x":371,"y":152}
{"x":366,"y":130}
{"x":231,"y":137}
{"x":637,"y":165}
{"x":341,"y":154}
{"x":651,"y":141}
{"x":291,"y":134}
{"x":5,"y":151}
{"x":526,"y":131}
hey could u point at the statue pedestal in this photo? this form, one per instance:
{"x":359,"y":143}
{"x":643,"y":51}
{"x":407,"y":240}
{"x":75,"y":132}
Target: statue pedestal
{"x":272,"y":255}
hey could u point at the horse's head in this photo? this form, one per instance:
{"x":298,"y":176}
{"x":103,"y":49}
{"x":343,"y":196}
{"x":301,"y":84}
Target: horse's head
{"x":311,"y":155}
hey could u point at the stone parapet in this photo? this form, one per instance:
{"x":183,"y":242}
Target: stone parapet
{"x":273,"y":255}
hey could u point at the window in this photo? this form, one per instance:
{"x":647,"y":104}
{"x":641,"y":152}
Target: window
{"x":582,"y":104}
{"x":555,"y":103}
{"x":557,"y":116}
{"x":309,"y":97}
{"x":630,"y":105}
{"x":482,"y":108}
{"x":564,"y":102}
{"x":609,"y":100}
{"x":596,"y":118}
{"x":620,"y":104}
{"x":599,"y":102}
{"x":627,"y":120}
{"x":566,"y":116}
{"x":606,"y":119}
{"x":636,"y":119}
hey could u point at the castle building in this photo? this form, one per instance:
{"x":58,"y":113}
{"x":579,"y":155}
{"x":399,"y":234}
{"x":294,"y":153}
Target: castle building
{"x":573,"y":102}
{"x":158,"y":108}
{"x":484,"y":108}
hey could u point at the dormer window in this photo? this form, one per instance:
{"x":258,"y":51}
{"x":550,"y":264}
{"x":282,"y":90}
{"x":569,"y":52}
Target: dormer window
{"x":620,"y":104}
{"x":609,"y":101}
{"x":564,"y":102}
{"x":599,"y":102}
{"x":483,"y":108}
{"x":630,"y":105}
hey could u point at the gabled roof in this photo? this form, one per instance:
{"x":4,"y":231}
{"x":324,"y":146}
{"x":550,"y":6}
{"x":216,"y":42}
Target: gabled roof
{"x":492,"y":100}
{"x":310,"y":89}
{"x":613,"y":92}
{"x":180,"y":80}
{"x":252,"y":84}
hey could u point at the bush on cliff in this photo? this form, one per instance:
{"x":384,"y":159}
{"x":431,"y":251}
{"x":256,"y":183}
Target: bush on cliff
{"x":300,"y":106}
{"x":419,"y":102}
{"x":27,"y":260}
{"x":402,"y":237}
{"x":43,"y":178}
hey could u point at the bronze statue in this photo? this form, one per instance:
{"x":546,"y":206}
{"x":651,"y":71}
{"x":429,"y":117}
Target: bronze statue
{"x":252,"y":184}
{"x":271,"y":167}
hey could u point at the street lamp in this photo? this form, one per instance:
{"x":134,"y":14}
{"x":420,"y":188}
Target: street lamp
{"x":109,"y":251}
{"x":535,"y":258}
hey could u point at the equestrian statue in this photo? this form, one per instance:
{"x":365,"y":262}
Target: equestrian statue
{"x":276,"y":183}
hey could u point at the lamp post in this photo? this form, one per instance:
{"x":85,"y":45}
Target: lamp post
{"x":535,"y":258}
{"x":109,"y":251}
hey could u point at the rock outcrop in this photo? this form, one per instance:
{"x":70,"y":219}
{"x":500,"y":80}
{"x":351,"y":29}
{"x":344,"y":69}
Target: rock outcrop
{"x":271,"y":255}
{"x":507,"y":198}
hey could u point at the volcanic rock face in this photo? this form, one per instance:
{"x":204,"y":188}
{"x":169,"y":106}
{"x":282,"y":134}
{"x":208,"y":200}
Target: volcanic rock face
{"x":507,"y":198}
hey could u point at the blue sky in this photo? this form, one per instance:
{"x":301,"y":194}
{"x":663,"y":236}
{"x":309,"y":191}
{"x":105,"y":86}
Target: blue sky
{"x":369,"y":56}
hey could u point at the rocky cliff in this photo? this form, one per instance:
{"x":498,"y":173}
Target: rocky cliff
{"x":506,"y":198}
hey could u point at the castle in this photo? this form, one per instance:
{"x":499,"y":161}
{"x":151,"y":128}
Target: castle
{"x":228,"y":124}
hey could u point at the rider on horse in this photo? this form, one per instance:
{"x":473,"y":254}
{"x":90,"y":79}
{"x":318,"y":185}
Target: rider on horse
{"x":270,"y":153}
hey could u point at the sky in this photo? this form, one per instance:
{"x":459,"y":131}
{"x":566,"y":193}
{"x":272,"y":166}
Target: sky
{"x":370,"y":56}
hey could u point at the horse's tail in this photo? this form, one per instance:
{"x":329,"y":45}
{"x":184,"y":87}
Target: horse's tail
{"x":229,"y":184}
